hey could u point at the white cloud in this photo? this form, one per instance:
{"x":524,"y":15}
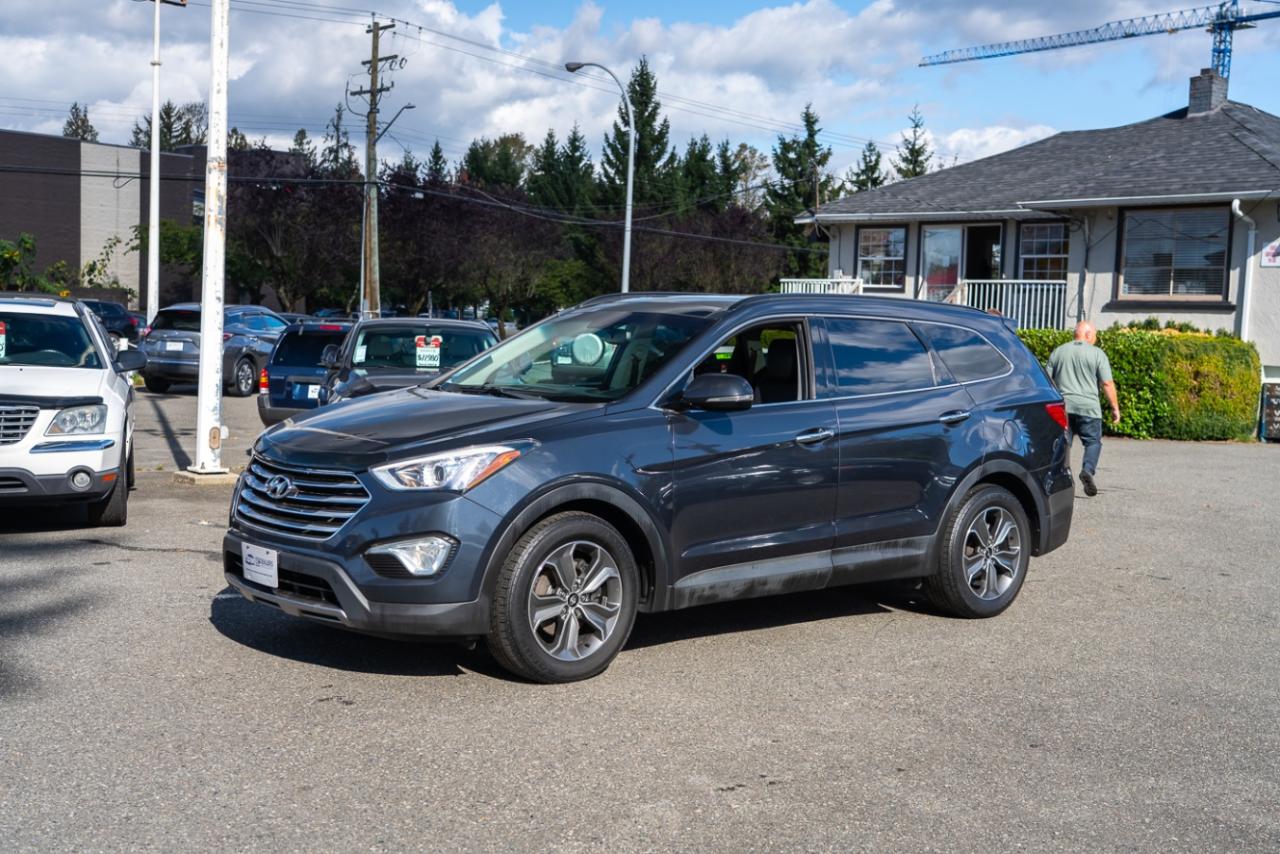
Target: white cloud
{"x":965,"y":144}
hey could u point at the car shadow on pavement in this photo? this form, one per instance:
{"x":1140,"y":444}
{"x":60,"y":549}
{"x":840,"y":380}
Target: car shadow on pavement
{"x":294,"y":638}
{"x":59,"y":517}
{"x":30,"y":604}
{"x":173,"y":439}
{"x":765,"y":613}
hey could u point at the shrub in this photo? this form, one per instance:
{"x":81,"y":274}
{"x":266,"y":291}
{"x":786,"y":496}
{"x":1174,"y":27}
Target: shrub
{"x":1172,"y":384}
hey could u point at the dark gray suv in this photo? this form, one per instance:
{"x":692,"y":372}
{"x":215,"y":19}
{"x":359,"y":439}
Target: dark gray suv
{"x":172,"y":346}
{"x":651,"y":452}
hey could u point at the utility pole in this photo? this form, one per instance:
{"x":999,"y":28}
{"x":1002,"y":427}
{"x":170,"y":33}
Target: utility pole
{"x":209,"y":427}
{"x":371,"y":290}
{"x":153,"y":210}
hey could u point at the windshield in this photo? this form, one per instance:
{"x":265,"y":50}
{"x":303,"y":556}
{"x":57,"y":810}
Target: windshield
{"x":303,"y":348}
{"x":594,"y":354}
{"x":417,"y":348}
{"x":46,"y":340}
{"x":182,"y":320}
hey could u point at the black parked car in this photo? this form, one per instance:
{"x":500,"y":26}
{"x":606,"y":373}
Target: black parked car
{"x":172,"y":346}
{"x":690,"y":449}
{"x":390,"y":353}
{"x":291,"y":382}
{"x":118,"y":321}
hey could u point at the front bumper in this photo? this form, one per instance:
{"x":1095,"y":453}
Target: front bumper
{"x":20,"y":486}
{"x":323,"y":591}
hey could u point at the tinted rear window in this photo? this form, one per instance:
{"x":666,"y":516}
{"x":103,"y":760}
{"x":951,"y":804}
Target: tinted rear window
{"x":183,"y":320}
{"x":106,"y":309}
{"x":304,"y":348}
{"x":417,"y":347}
{"x":966,"y":354}
{"x":877,"y":356}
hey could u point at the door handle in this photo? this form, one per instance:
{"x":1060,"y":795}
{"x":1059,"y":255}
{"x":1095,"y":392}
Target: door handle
{"x":954,"y":417}
{"x":813,"y":437}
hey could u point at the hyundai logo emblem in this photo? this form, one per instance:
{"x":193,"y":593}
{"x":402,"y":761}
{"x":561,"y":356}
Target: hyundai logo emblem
{"x":279,"y":486}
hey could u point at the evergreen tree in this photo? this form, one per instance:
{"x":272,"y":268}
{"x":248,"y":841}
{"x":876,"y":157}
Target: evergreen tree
{"x":913,"y":153}
{"x":304,"y":147}
{"x":577,"y":173}
{"x":653,"y":176}
{"x":179,"y":125}
{"x":437,"y":171}
{"x":729,"y":172}
{"x":338,"y":156}
{"x":799,"y":163}
{"x":78,"y":125}
{"x":496,"y":163}
{"x":868,"y":174}
{"x":237,"y":141}
{"x":699,"y":177}
{"x":544,"y":172}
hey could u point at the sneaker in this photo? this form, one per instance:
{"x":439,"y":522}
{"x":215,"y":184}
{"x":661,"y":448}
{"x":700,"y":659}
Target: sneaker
{"x":1090,"y":488}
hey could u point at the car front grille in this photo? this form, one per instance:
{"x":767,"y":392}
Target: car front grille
{"x":16,"y":421}
{"x":314,"y":503}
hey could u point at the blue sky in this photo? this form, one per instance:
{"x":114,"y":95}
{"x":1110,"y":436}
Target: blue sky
{"x":855,"y":61}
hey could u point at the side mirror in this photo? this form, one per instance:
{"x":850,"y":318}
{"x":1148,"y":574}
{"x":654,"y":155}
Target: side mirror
{"x":329,"y":356}
{"x":718,"y":393}
{"x":130,"y":360}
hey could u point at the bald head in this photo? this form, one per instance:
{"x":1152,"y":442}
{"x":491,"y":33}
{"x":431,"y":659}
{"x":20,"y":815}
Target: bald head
{"x":1086,"y":332}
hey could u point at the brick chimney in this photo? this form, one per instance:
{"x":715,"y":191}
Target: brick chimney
{"x":1208,"y":92}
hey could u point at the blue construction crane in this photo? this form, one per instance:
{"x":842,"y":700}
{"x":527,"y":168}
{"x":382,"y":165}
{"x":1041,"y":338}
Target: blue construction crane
{"x":1222,"y":20}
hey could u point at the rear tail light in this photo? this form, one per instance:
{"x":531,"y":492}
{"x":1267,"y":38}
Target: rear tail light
{"x":1058,"y":412}
{"x":262,"y":382}
{"x":329,"y":327}
{"x":146,"y":330}
{"x":226,"y":336}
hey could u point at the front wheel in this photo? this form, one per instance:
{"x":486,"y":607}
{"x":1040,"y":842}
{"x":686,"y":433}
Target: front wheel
{"x":242,"y":378}
{"x":113,"y":511}
{"x":983,"y":556}
{"x":565,"y":600}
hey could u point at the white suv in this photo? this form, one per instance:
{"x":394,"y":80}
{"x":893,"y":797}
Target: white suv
{"x":66,"y":418}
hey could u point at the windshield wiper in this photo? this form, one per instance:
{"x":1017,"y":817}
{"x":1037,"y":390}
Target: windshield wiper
{"x":487,"y":387}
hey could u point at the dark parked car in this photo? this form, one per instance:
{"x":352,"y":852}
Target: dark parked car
{"x":118,"y":321}
{"x":389,"y":353}
{"x":172,"y":346}
{"x":290,"y":383}
{"x":540,"y":503}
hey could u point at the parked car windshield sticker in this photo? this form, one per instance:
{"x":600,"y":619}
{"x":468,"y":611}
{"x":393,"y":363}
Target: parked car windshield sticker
{"x":359,"y":355}
{"x":428,"y":351}
{"x":2,"y":335}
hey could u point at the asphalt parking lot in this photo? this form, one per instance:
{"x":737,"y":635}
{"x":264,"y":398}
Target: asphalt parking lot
{"x":1127,"y":700}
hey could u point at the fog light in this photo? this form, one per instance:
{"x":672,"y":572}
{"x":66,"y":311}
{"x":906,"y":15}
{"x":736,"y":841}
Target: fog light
{"x":81,"y":480}
{"x":421,"y":557}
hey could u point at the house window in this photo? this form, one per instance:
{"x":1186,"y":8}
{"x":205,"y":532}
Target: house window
{"x":1176,"y":253}
{"x":1043,"y":251}
{"x":882,"y":257}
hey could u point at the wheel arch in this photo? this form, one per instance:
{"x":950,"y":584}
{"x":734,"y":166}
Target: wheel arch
{"x":1020,"y":483}
{"x":611,"y":502}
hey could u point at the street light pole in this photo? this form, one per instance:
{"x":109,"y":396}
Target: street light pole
{"x":153,"y":210}
{"x":573,"y":67}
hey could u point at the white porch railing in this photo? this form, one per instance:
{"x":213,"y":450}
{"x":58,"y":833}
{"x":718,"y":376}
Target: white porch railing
{"x":821,"y":286}
{"x":1030,"y":304}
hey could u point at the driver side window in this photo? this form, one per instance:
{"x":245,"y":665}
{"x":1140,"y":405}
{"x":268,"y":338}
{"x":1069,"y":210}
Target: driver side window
{"x":772,"y":357}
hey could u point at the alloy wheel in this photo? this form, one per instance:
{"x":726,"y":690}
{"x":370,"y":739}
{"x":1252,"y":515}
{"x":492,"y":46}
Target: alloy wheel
{"x":992,"y":553}
{"x":575,"y":600}
{"x":244,"y":377}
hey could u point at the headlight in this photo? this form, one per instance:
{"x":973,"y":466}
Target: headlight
{"x":457,"y":471}
{"x":78,"y":420}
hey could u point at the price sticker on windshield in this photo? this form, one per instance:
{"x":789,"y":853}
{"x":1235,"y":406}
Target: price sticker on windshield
{"x":2,"y":337}
{"x":428,"y":351}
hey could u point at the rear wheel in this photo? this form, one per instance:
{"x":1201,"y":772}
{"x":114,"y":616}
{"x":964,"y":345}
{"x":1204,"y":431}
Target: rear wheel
{"x":156,"y":384}
{"x":984,"y":555}
{"x":565,"y":600}
{"x":242,"y":378}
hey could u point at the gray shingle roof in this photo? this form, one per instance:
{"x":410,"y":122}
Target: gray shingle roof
{"x":1229,"y":150}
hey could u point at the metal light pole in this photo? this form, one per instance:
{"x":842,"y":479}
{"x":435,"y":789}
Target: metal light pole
{"x":153,"y":211}
{"x":573,"y":67}
{"x":209,"y":407}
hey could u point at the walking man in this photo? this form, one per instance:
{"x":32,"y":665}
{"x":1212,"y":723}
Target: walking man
{"x":1078,"y":368}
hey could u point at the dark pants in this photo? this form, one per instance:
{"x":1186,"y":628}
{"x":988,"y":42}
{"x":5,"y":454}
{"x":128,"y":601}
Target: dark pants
{"x":1090,"y":432}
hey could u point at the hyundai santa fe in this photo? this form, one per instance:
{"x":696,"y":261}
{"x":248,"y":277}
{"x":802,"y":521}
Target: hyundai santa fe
{"x":645,"y":453}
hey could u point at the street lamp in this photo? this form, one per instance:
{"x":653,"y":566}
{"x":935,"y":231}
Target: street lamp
{"x":573,"y":67}
{"x":153,"y":180}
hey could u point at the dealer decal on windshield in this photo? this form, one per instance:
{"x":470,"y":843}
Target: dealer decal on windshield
{"x":428,"y":351}
{"x":2,"y":344}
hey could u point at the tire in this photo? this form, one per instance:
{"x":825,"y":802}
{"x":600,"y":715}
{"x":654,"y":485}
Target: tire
{"x":977,"y":575}
{"x":243,"y":378}
{"x":112,"y":511}
{"x":591,"y":626}
{"x":157,"y":385}
{"x":130,"y":477}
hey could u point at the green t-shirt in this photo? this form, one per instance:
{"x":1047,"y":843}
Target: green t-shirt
{"x":1077,"y":368}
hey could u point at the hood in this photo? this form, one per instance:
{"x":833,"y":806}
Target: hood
{"x":356,"y":434}
{"x":50,"y":383}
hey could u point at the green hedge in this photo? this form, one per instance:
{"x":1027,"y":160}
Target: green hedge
{"x":1173,"y":385}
